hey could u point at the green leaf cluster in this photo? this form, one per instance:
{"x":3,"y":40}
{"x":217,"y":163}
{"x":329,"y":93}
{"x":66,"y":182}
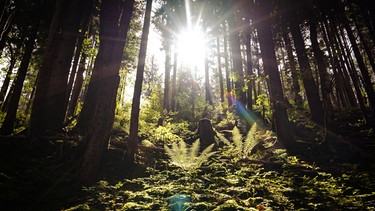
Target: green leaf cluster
{"x":241,"y":147}
{"x":188,"y":158}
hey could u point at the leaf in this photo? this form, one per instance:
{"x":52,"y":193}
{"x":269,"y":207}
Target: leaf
{"x":251,"y":140}
{"x":237,"y":140}
{"x":187,"y":158}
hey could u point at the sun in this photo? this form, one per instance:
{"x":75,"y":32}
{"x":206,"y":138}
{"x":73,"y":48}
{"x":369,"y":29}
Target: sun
{"x":191,"y":47}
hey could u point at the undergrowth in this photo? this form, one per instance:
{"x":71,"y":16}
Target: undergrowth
{"x":278,"y":181}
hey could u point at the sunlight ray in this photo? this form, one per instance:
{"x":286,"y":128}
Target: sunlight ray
{"x":188,"y":14}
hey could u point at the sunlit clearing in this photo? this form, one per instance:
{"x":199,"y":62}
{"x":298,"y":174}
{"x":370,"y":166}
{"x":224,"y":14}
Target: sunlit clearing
{"x":191,"y":47}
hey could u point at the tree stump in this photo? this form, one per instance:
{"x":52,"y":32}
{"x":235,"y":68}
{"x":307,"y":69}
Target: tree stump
{"x":206,"y":133}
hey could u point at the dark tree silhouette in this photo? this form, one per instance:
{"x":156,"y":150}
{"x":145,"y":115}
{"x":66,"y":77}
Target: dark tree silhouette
{"x":134,"y":121}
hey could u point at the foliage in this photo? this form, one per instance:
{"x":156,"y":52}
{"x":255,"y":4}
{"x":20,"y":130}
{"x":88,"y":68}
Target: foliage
{"x":263,"y":105}
{"x":225,"y":118}
{"x":187,"y":158}
{"x":122,"y":120}
{"x":164,"y":134}
{"x":286,"y":183}
{"x":242,"y":147}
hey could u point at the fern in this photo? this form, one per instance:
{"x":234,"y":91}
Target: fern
{"x":187,"y":158}
{"x":252,"y":139}
{"x":241,"y":147}
{"x":222,"y":138}
{"x":237,"y":140}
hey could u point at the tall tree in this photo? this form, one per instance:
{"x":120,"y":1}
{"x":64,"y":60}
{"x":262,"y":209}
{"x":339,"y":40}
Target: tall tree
{"x":312,"y":92}
{"x":249,"y":62}
{"x":367,"y":83}
{"x":323,"y":74}
{"x":235,"y":46}
{"x":296,"y":89}
{"x":220,"y":71}
{"x":267,"y":47}
{"x":97,"y":115}
{"x":226,"y":65}
{"x":134,"y":121}
{"x":10,"y":118}
{"x":7,"y":12}
{"x":49,"y":106}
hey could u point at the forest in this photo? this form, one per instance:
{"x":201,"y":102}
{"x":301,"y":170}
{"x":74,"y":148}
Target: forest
{"x":187,"y":105}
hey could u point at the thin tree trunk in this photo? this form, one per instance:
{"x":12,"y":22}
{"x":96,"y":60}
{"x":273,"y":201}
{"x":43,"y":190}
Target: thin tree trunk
{"x":323,"y":75}
{"x":6,"y":82}
{"x":174,"y":81}
{"x":249,"y":63}
{"x":7,"y":127}
{"x":366,"y":46}
{"x":226,"y":65}
{"x":134,"y":121}
{"x":167,"y":74}
{"x":207,"y":79}
{"x":293,"y":70}
{"x":364,"y":71}
{"x":234,"y":41}
{"x":6,"y":16}
{"x":221,"y":82}
{"x":312,"y":93}
{"x":77,"y":87}
{"x":49,"y":107}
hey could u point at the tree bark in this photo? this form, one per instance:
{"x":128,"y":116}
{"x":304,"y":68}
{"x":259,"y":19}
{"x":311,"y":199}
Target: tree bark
{"x":49,"y":107}
{"x":235,"y":46}
{"x":267,"y":47}
{"x":312,"y":93}
{"x":207,"y":78}
{"x":206,"y":133}
{"x":167,"y":74}
{"x":296,"y":89}
{"x":134,"y":121}
{"x":220,"y":71}
{"x":174,"y":82}
{"x":364,"y":71}
{"x":7,"y":127}
{"x":6,"y":82}
{"x":97,"y":116}
{"x":226,"y":65}
{"x":323,"y":75}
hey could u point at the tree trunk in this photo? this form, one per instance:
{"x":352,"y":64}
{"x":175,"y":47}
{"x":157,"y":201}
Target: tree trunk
{"x":49,"y":107}
{"x":234,"y":41}
{"x":249,"y":63}
{"x":220,"y":71}
{"x":167,"y":75}
{"x":323,"y":75}
{"x":312,"y":93}
{"x":134,"y":121}
{"x":174,"y":82}
{"x":7,"y":127}
{"x":296,"y":89}
{"x":280,"y":115}
{"x":98,"y":111}
{"x":6,"y":82}
{"x":6,"y":16}
{"x":77,"y":87}
{"x":226,"y":65}
{"x":206,"y":133}
{"x":364,"y":71}
{"x":207,"y":79}
{"x":366,"y":46}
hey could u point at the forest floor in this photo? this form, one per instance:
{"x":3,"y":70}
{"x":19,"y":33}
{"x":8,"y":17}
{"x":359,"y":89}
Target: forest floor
{"x":271,"y":179}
